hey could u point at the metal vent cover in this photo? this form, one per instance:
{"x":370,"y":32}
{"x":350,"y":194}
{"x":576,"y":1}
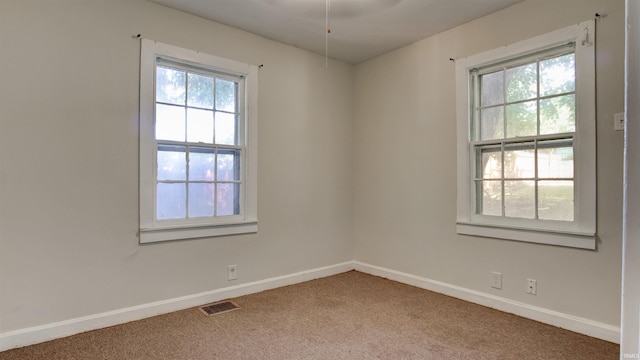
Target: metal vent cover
{"x":219,"y":308}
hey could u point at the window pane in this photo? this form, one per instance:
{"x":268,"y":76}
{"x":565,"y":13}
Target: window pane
{"x":492,"y":89}
{"x":201,"y":199}
{"x":225,"y":129}
{"x":200,"y":92}
{"x":172,"y":162}
{"x":555,"y":160}
{"x":558,"y":114}
{"x":491,"y":197}
{"x":171,"y":199}
{"x":519,"y":199}
{"x":202,"y":162}
{"x":170,"y":85}
{"x":522,"y":82}
{"x":169,"y":122}
{"x":557,"y":75}
{"x":200,"y":126}
{"x":226,"y":95}
{"x":519,"y":161}
{"x":228,"y":165}
{"x":492,"y":123}
{"x":490,"y":166}
{"x":522,"y":119}
{"x":555,"y":200}
{"x":227,"y":199}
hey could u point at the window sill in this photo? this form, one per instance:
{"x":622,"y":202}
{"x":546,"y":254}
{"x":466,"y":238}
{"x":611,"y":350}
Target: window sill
{"x":574,"y":240}
{"x":194,"y":232}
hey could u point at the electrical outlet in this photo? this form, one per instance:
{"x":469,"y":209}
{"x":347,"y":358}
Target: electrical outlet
{"x":496,"y":280}
{"x":618,"y":121}
{"x":532,"y":286}
{"x":232,"y":272}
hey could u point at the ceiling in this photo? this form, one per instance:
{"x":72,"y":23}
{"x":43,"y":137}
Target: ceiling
{"x":360,"y":29}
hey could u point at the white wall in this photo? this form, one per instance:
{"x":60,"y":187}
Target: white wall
{"x":405,"y":168}
{"x":630,"y":338}
{"x":69,"y":162}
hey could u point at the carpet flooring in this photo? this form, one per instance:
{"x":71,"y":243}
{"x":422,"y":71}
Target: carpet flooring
{"x":346,"y":316}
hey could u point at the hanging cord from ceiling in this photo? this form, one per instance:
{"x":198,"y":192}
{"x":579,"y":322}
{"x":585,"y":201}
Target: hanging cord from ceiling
{"x":327,"y":8}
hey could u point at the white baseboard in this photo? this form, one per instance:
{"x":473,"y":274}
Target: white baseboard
{"x":573,"y":323}
{"x":37,"y":334}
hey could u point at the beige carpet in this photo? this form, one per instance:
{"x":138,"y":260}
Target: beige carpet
{"x":347,"y":316}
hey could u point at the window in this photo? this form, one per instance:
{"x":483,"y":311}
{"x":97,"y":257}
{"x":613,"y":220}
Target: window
{"x":197,"y":145}
{"x":526,"y":140}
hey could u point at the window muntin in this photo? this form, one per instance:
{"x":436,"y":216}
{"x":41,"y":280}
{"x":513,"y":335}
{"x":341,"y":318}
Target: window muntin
{"x":199,"y":154}
{"x":524,"y":121}
{"x":516,"y":100}
{"x":530,"y":180}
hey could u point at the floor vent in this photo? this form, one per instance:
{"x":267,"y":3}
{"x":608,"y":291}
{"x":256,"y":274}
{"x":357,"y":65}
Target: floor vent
{"x":219,"y":308}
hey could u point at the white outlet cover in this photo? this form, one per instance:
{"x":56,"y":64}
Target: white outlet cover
{"x":496,"y":280}
{"x":231,"y":272}
{"x":532,"y":286}
{"x":618,"y":121}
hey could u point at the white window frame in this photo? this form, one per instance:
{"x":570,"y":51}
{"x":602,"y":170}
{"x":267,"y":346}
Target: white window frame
{"x":153,"y":230}
{"x":580,"y":233}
